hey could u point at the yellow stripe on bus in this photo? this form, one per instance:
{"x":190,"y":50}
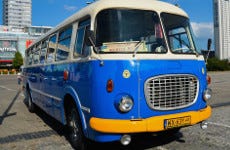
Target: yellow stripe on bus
{"x":152,"y":124}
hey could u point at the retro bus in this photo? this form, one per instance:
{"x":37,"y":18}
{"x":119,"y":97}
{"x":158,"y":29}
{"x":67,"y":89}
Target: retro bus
{"x":117,"y":68}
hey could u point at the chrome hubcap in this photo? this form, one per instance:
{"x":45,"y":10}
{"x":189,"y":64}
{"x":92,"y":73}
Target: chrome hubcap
{"x":73,"y":125}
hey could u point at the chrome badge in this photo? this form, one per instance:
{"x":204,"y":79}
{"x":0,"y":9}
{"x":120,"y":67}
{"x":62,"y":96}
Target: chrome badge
{"x":126,"y":74}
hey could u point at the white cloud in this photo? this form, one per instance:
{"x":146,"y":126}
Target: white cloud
{"x":203,"y":30}
{"x":70,"y":8}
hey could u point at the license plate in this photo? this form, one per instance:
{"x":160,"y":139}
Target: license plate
{"x":177,"y":122}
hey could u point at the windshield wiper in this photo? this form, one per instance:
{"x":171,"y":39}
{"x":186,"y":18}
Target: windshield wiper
{"x":136,"y":47}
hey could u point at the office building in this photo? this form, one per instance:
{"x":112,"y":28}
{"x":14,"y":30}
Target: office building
{"x":17,"y":13}
{"x":13,"y":39}
{"x":222,"y":28}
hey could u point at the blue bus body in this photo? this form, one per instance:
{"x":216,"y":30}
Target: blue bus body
{"x":111,"y":88}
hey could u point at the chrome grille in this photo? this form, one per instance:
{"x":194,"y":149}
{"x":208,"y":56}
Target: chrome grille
{"x":169,"y":92}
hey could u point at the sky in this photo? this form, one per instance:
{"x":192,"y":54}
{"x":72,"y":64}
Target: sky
{"x":53,"y":12}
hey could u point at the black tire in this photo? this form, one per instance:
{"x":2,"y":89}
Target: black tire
{"x":30,"y":104}
{"x":74,"y":130}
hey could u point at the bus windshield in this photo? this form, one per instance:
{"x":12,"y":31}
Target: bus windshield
{"x":179,"y":34}
{"x":129,"y":30}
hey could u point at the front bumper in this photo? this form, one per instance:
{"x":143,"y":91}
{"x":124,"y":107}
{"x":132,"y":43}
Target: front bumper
{"x":153,"y":124}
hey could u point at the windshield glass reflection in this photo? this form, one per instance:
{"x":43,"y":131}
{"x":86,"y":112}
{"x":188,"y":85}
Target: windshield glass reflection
{"x":179,"y":34}
{"x":129,"y":31}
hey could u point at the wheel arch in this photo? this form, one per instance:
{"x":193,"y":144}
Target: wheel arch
{"x":71,"y":99}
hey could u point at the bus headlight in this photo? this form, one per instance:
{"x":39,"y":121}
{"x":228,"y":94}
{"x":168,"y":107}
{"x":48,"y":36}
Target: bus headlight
{"x":207,"y":94}
{"x":125,"y":104}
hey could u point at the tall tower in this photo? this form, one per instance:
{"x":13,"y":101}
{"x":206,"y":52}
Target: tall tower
{"x":222,"y":28}
{"x":17,"y":13}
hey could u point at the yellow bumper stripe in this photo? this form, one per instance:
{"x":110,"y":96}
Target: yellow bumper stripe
{"x":152,"y":124}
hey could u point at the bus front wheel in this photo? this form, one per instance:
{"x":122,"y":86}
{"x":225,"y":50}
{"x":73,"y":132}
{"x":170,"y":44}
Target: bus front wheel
{"x":75,"y":133}
{"x":31,"y":105}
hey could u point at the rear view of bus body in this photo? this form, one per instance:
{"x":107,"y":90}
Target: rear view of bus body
{"x":119,"y":68}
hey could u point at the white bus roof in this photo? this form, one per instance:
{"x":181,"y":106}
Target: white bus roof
{"x":93,"y":8}
{"x":153,"y":5}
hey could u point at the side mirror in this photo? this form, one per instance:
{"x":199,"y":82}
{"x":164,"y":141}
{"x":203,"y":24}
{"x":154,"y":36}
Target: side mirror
{"x":209,"y":49}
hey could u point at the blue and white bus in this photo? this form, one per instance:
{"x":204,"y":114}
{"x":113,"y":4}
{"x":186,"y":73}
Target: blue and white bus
{"x":118,"y":68}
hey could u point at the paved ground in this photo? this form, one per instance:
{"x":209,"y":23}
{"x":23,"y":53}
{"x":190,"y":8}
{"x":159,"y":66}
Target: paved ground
{"x":21,"y":130}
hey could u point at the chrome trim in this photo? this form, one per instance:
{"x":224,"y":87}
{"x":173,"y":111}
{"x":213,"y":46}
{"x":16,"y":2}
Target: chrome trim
{"x":85,"y":109}
{"x":45,"y":94}
{"x":172,"y":91}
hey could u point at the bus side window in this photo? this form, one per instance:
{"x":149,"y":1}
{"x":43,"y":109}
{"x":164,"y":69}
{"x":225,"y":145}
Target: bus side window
{"x":30,"y":57}
{"x":51,"y":49}
{"x":86,"y":48}
{"x":81,"y":49}
{"x":36,"y":53}
{"x":63,"y":46}
{"x":43,"y":51}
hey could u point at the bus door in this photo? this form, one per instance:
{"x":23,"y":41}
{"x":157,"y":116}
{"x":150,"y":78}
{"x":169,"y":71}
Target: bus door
{"x":80,"y":53}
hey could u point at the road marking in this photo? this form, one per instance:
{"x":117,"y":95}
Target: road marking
{"x":219,"y":124}
{"x":7,"y":88}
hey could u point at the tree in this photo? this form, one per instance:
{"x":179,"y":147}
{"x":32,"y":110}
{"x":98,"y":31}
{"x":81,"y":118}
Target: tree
{"x":18,"y":60}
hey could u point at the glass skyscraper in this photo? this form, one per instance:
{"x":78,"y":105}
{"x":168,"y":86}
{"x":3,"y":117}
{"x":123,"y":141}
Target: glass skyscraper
{"x":222,"y":28}
{"x":17,"y":13}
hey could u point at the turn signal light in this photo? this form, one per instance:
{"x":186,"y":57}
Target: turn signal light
{"x":65,"y":75}
{"x":208,"y":78}
{"x":109,"y":86}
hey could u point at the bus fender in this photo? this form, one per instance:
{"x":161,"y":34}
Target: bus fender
{"x":70,"y":90}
